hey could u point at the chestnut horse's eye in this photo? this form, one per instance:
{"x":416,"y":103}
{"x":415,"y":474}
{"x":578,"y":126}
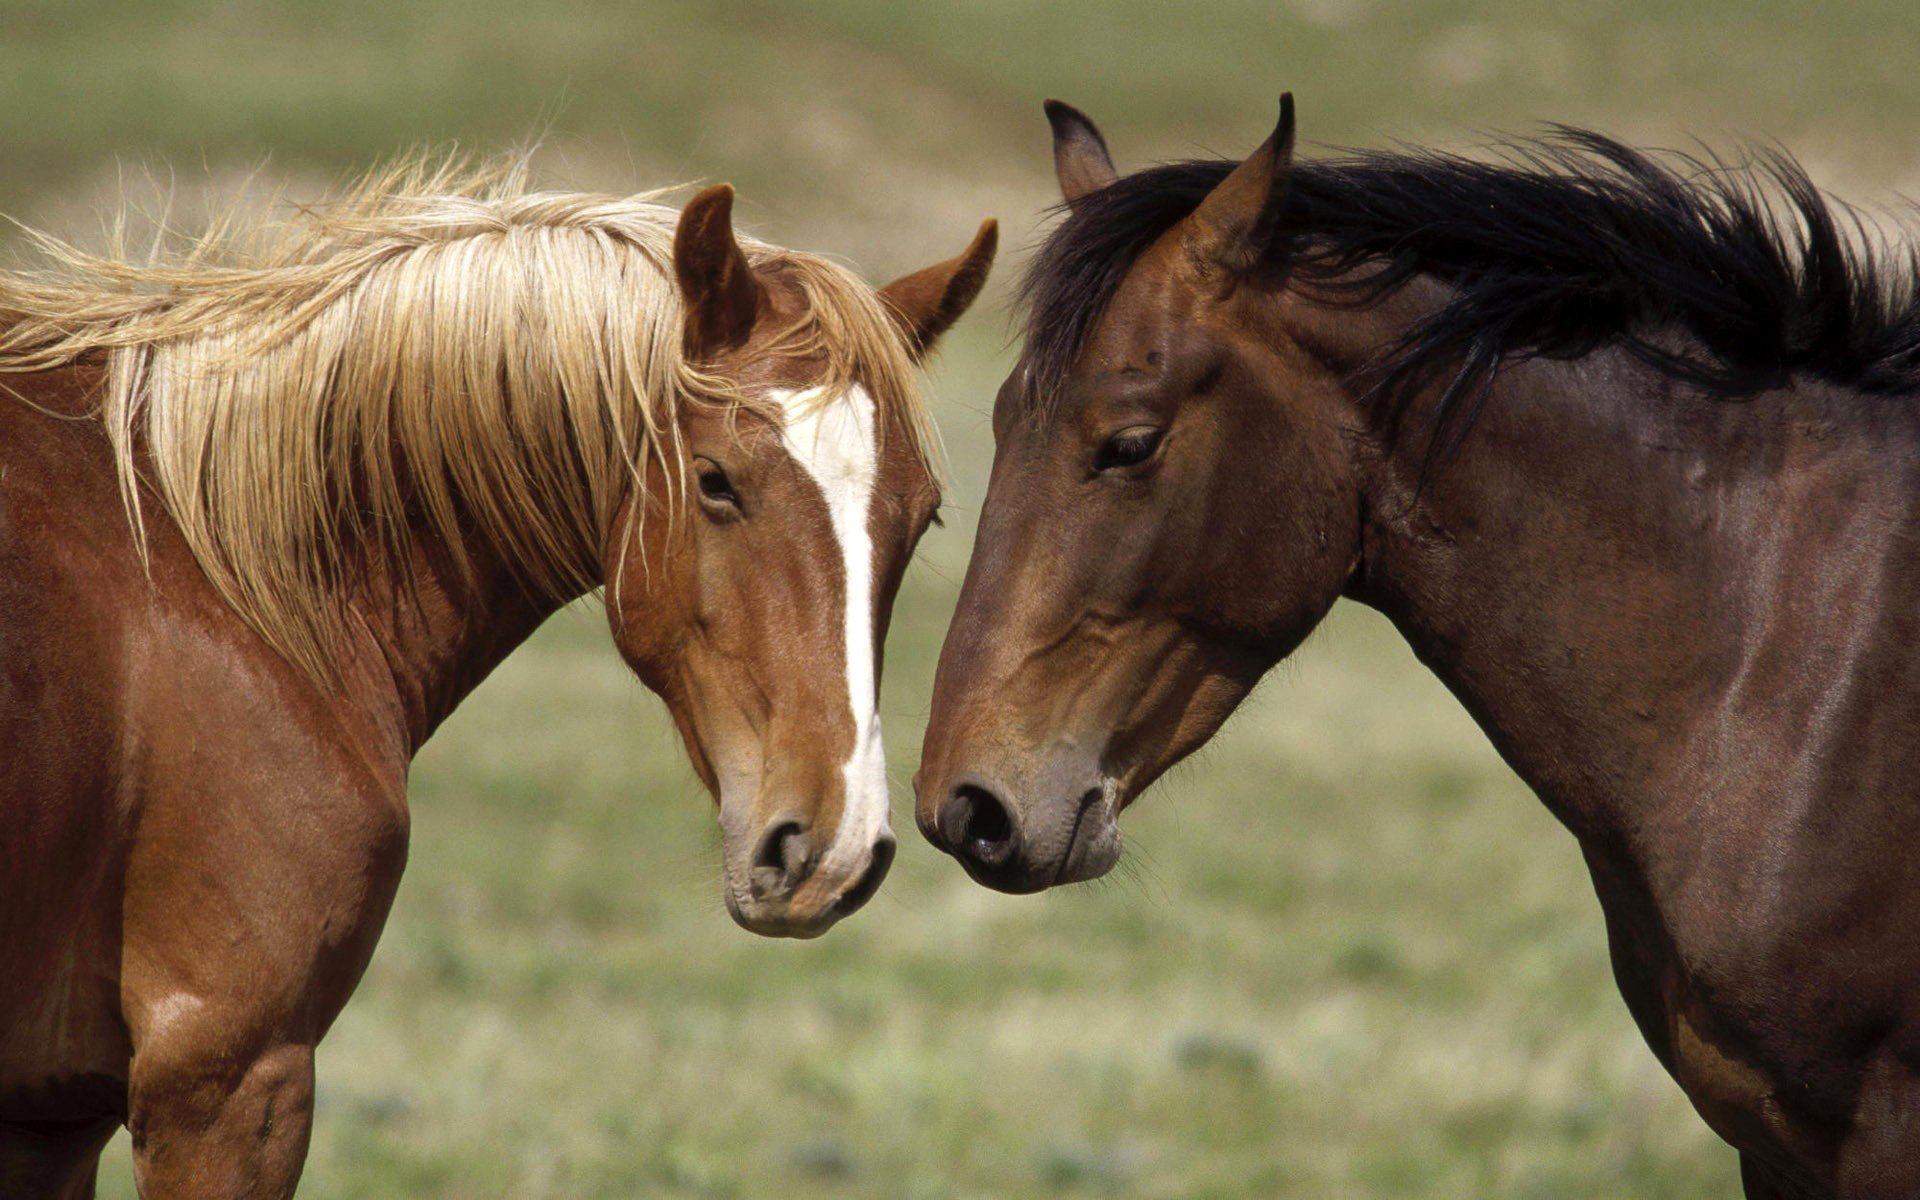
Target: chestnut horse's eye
{"x":1130,"y":447}
{"x":716,"y":490}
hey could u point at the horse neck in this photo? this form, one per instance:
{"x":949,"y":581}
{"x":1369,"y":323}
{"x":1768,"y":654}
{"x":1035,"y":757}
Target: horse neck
{"x":438,"y":633}
{"x":1617,"y":575}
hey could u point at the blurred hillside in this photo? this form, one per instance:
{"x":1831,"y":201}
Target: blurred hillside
{"x":876,"y":121}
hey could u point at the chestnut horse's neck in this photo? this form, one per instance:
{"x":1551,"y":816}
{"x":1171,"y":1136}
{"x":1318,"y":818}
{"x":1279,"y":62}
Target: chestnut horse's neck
{"x":439,"y":636}
{"x":1643,"y":592}
{"x":426,"y":630}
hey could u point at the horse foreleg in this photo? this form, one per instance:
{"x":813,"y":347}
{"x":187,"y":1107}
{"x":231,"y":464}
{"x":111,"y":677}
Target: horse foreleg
{"x":209,"y":1122}
{"x":237,"y":957}
{"x":1880,"y":1157}
{"x":51,"y":1160}
{"x":1760,"y":1182}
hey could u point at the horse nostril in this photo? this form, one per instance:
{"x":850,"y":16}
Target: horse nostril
{"x":979,"y":825}
{"x":781,"y":862}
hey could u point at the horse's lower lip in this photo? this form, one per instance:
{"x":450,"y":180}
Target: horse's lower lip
{"x":855,"y":895}
{"x":1074,"y":843}
{"x":779,"y":919}
{"x":786,"y":924}
{"x":1074,"y":865}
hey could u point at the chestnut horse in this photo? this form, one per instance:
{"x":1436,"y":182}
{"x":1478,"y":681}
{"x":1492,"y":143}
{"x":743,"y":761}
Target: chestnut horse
{"x":264,"y":524}
{"x":1629,"y":451}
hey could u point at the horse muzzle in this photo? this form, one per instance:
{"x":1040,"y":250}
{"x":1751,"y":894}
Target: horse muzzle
{"x":1062,"y":835}
{"x":787,"y":887}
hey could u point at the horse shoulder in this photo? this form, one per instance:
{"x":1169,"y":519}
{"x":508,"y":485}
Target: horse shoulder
{"x":65,"y":562}
{"x":167,"y":782}
{"x":273,"y":823}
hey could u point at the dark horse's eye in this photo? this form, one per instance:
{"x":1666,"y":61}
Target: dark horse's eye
{"x":716,"y":490}
{"x":1128,"y":448}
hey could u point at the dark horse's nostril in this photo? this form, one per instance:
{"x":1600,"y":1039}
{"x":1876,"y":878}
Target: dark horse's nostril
{"x":978,"y":825}
{"x":781,"y":861}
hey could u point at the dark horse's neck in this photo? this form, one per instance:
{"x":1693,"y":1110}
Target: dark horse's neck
{"x":1688,"y":621}
{"x":1659,"y":604}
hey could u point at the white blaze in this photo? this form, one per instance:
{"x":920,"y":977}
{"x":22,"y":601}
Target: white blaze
{"x":834,"y":440}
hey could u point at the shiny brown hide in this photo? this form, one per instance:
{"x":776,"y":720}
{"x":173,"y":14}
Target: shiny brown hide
{"x":200,"y":845}
{"x":199,"y":842}
{"x":1688,"y":622}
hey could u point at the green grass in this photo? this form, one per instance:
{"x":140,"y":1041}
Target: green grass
{"x":1348,"y":953}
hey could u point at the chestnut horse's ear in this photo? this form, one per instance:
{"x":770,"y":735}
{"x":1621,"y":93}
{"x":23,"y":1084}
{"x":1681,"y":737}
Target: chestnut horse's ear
{"x":1080,"y":157}
{"x":1232,"y":227}
{"x":928,"y":302}
{"x":721,"y":294}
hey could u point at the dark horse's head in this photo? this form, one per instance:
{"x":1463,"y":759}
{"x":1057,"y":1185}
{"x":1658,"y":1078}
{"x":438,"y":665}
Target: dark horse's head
{"x":1231,"y":369}
{"x":1171,"y":509}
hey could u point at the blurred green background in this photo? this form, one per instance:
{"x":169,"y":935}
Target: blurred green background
{"x":1348,"y":953}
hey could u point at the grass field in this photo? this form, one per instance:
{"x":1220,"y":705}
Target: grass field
{"x":1348,"y":954}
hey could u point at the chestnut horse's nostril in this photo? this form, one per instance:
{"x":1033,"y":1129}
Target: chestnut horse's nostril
{"x":781,"y":862}
{"x":978,"y":826}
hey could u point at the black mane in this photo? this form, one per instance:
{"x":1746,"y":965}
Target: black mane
{"x":1569,"y":243}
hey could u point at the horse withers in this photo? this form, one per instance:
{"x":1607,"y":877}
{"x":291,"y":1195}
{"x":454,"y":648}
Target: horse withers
{"x":1628,"y":450}
{"x":264,"y":523}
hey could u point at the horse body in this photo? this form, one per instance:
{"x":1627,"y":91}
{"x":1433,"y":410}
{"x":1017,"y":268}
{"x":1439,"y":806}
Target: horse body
{"x":1708,"y":678}
{"x":213,"y":682}
{"x":1632,"y":461}
{"x":62,"y":1044}
{"x":271,"y":825}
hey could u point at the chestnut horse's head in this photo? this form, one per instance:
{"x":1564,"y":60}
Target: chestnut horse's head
{"x":1171,"y":509}
{"x":754,"y":598}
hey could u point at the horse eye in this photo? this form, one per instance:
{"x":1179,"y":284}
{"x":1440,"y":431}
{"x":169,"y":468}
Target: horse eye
{"x":716,"y":490}
{"x":1128,"y":448}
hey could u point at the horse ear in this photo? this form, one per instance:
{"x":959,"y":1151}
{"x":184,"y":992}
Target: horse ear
{"x":928,"y":302}
{"x":1080,"y":157}
{"x":721,"y":294}
{"x":1232,"y":227}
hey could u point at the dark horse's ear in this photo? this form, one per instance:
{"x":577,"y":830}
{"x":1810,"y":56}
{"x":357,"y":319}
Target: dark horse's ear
{"x":928,"y":302}
{"x":1080,"y":157}
{"x":1233,"y":226}
{"x":718,"y":286}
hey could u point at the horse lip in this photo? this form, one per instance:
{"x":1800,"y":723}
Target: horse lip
{"x":866,"y":885}
{"x":785,"y":924}
{"x":779,"y":919}
{"x":1076,"y":846}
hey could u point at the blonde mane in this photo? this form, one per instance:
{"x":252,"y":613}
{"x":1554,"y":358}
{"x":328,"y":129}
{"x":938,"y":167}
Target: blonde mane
{"x":439,"y":350}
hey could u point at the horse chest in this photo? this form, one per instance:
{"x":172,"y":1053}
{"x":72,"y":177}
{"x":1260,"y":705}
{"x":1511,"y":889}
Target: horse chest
{"x":1735,"y":1097}
{"x":1770,"y":1085}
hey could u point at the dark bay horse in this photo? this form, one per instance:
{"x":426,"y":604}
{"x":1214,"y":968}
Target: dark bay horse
{"x":1627,"y":448}
{"x":264,"y":524}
